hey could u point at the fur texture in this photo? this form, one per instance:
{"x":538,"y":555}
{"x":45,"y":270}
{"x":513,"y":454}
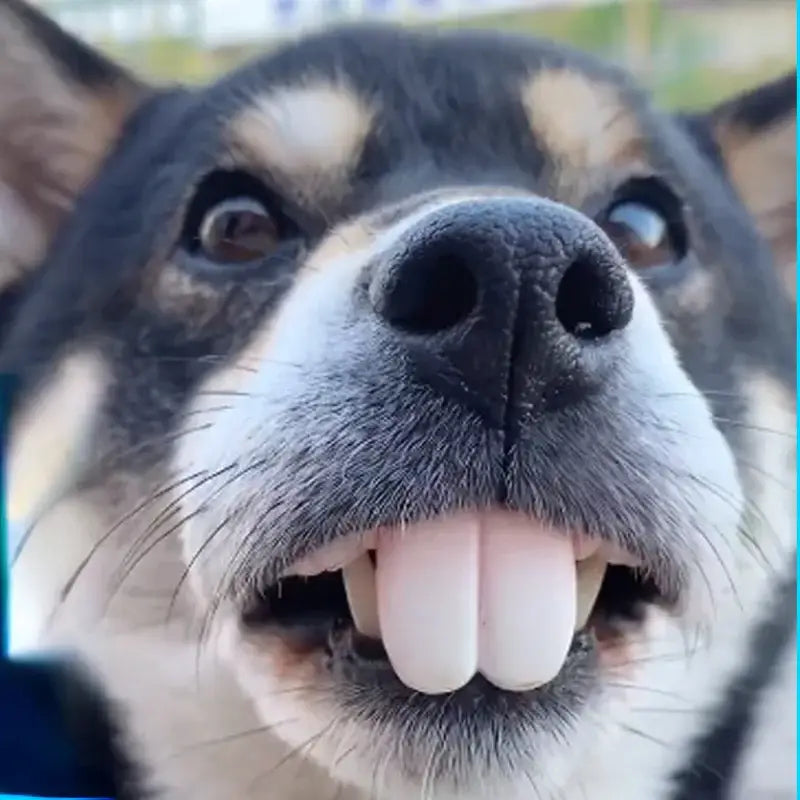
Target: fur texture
{"x":201,"y":424}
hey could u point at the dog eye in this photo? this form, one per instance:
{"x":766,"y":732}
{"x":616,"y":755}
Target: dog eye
{"x":646,"y":225}
{"x":233,"y":219}
{"x":237,"y":231}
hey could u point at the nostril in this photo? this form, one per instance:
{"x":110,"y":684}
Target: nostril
{"x":592,"y":301}
{"x":431,"y":292}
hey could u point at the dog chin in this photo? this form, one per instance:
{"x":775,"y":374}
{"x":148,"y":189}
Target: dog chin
{"x":302,"y":706}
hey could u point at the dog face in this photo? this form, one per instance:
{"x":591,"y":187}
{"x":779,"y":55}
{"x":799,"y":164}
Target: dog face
{"x":410,"y":369}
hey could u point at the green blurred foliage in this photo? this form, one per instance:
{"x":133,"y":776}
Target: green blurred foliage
{"x":681,"y":73}
{"x":672,"y":48}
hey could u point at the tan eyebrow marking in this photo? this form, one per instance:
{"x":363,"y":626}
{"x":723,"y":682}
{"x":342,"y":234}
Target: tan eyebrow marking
{"x":311,"y":133}
{"x":583,"y":123}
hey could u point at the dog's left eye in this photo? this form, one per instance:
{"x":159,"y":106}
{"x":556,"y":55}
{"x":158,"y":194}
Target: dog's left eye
{"x":646,"y":225}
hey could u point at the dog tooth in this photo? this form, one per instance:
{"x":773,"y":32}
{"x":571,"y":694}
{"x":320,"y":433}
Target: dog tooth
{"x":359,"y":586}
{"x":590,"y":574}
{"x":615,"y":554}
{"x":306,"y":567}
{"x":584,"y":546}
{"x":334,"y":556}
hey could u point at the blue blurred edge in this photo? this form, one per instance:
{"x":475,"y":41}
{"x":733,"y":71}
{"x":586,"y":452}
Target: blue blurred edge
{"x":54,"y":739}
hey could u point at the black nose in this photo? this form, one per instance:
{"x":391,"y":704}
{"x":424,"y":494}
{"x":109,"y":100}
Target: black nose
{"x":506,"y":303}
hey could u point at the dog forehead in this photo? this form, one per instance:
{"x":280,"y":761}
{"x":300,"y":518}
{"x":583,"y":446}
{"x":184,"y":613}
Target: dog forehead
{"x":399,"y":95}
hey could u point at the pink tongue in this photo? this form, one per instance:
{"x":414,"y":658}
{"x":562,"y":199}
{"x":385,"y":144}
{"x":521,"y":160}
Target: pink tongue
{"x":528,"y":602}
{"x":492,"y":593}
{"x":427,"y":586}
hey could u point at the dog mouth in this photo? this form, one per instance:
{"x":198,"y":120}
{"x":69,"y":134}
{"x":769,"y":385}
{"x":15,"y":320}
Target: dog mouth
{"x":494,"y":595}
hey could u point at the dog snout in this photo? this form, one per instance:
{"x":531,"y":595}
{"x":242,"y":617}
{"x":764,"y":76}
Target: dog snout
{"x":499,"y":303}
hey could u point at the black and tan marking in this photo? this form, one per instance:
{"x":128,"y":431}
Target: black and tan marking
{"x":272,"y":341}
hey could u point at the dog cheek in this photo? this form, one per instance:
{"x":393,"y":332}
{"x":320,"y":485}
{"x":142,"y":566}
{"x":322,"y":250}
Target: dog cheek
{"x":60,"y":421}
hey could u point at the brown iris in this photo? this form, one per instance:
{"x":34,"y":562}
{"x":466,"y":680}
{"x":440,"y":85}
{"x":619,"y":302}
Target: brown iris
{"x":238,"y":231}
{"x":642,"y":234}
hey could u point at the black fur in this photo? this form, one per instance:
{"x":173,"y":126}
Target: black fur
{"x":762,"y":107}
{"x":61,"y":736}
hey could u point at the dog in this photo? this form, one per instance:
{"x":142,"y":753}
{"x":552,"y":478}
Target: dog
{"x":348,"y":385}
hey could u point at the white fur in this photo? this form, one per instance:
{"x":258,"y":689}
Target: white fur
{"x":769,"y":771}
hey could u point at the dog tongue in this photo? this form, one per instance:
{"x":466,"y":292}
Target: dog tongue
{"x":427,"y":587}
{"x":492,"y":593}
{"x":528,"y":602}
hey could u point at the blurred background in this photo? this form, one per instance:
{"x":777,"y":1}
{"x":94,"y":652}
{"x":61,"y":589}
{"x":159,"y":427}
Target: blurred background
{"x":689,"y":52}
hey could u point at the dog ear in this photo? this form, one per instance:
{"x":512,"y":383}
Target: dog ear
{"x":754,"y":137}
{"x":62,"y":105}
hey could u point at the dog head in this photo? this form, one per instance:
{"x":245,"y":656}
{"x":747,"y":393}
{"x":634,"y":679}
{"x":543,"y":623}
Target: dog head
{"x":410,"y":367}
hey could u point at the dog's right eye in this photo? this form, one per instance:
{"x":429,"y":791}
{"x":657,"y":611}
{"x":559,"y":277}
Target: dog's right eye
{"x":237,"y":231}
{"x":233,"y":220}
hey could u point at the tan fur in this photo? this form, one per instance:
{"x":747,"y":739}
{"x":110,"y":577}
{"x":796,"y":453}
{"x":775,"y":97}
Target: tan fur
{"x":53,"y":136}
{"x":310,"y":134}
{"x":583,"y":124}
{"x":762,"y":166}
{"x":48,"y":443}
{"x":342,"y":241}
{"x":22,"y":238}
{"x":697,"y":293}
{"x":50,"y":437}
{"x":177,"y":292}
